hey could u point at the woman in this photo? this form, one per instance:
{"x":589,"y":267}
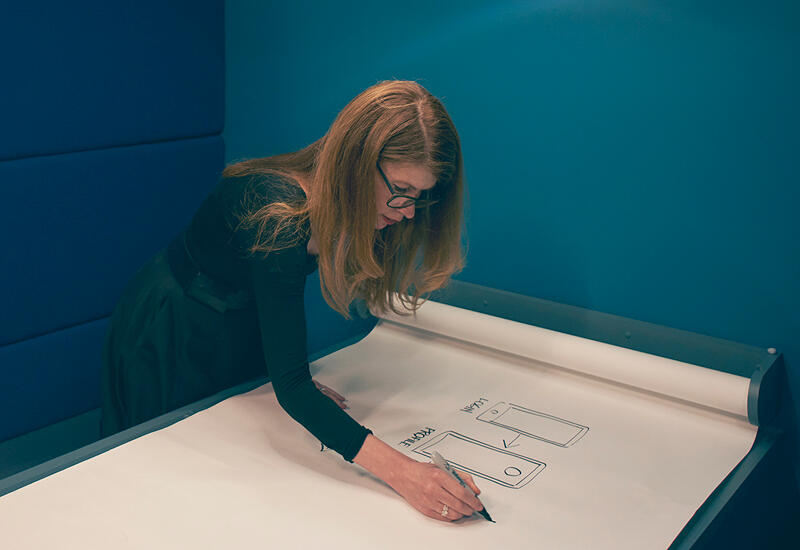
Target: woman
{"x":223,"y":303}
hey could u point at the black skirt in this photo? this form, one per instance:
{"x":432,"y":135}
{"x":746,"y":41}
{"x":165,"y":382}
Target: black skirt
{"x":164,"y":348}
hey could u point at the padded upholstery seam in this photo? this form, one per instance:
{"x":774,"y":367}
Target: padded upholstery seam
{"x":55,"y":330}
{"x":120,"y":146}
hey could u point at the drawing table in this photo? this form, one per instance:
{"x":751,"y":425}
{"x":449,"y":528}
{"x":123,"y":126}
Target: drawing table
{"x":583,"y":430}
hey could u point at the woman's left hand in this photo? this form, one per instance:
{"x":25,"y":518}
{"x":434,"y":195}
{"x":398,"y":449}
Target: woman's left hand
{"x":336,"y":396}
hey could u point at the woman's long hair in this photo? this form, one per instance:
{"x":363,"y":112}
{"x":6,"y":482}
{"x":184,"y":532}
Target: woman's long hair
{"x":393,"y":120}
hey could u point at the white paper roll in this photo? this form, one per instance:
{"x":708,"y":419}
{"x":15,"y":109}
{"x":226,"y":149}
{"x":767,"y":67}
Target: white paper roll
{"x":675,"y":379}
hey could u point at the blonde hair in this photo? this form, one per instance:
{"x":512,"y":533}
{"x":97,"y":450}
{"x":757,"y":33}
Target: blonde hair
{"x":396,"y":121}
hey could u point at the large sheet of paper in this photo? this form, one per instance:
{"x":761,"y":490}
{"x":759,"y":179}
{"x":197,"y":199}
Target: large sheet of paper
{"x":564,"y":458}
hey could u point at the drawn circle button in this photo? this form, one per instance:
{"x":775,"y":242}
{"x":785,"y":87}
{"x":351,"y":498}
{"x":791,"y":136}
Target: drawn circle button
{"x":513,"y":471}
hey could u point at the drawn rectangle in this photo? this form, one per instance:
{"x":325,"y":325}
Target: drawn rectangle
{"x":534,"y":424}
{"x":482,"y":460}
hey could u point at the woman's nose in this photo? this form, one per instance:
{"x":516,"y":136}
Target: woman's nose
{"x":408,"y":211}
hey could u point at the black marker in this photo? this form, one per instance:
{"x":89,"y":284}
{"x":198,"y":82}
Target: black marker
{"x":442,"y":463}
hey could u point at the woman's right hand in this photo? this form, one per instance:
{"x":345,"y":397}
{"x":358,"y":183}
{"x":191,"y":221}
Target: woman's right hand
{"x":429,"y":488}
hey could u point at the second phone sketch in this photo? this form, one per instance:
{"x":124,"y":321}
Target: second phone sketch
{"x":535,"y":424}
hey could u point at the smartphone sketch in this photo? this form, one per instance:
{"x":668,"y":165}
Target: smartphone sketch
{"x":482,"y":460}
{"x":534,"y":424}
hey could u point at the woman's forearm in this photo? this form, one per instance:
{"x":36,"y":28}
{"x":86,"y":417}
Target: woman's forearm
{"x":381,"y":460}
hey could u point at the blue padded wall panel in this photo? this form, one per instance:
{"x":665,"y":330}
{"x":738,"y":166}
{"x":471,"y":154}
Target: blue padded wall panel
{"x":74,"y":228}
{"x":50,"y":378}
{"x":90,"y":74}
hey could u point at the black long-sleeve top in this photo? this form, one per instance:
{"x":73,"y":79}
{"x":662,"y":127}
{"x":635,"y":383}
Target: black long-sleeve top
{"x":277,"y":283}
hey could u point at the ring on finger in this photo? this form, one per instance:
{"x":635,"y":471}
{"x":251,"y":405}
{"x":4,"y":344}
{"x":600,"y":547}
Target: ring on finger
{"x":444,"y":510}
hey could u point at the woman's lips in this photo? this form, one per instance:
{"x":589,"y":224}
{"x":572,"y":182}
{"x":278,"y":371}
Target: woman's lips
{"x":388,"y":221}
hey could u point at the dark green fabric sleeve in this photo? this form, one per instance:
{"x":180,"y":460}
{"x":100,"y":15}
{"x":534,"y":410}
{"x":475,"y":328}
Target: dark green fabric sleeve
{"x":278,"y":287}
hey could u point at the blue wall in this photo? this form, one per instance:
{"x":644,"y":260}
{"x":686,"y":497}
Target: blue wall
{"x":110,"y":123}
{"x":635,"y":160}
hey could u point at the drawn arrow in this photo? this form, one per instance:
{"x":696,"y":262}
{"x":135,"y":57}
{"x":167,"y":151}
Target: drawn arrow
{"x":508,"y":445}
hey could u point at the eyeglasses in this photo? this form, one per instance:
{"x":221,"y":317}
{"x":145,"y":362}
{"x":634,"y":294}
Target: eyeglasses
{"x":398,"y":200}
